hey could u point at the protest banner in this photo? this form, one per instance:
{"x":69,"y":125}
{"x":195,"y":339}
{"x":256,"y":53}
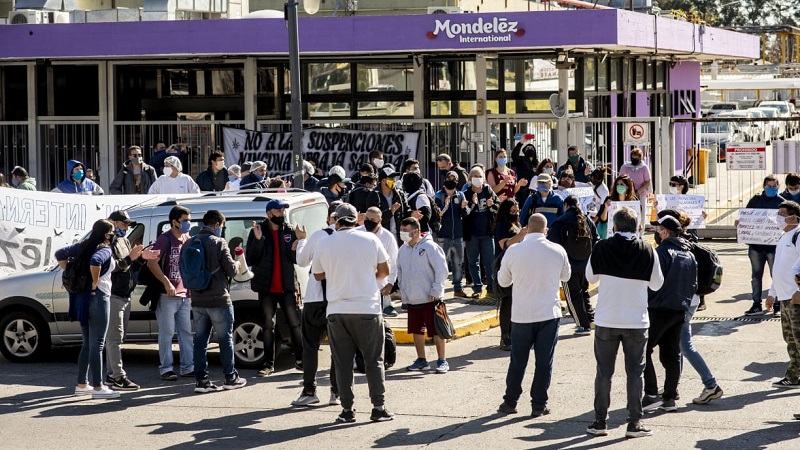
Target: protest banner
{"x":613,"y":207}
{"x":328,"y":146}
{"x":33,"y":225}
{"x":758,"y":226}
{"x":690,"y":204}
{"x":585,"y":196}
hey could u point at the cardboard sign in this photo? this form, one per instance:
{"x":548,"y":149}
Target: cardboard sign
{"x":585,"y":197}
{"x":690,"y":204}
{"x":758,"y":226}
{"x":613,"y":207}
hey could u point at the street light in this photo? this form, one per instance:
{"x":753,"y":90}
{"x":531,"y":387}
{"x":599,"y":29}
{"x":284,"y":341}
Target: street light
{"x":310,"y":7}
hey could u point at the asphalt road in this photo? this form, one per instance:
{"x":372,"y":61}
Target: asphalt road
{"x":454,"y":410}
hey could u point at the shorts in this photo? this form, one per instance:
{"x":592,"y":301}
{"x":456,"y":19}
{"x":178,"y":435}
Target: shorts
{"x":421,"y":316}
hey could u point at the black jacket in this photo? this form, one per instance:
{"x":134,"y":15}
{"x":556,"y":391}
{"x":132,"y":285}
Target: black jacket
{"x":680,"y":276}
{"x":259,"y":256}
{"x":377,"y":199}
{"x":124,"y":276}
{"x":207,"y":181}
{"x":251,"y":181}
{"x":358,"y":197}
{"x":218,"y":258}
{"x":125,"y":182}
{"x":568,"y":221}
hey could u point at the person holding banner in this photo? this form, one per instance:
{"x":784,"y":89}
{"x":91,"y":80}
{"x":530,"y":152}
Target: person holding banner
{"x":623,"y":192}
{"x":762,"y":255}
{"x":174,"y":181}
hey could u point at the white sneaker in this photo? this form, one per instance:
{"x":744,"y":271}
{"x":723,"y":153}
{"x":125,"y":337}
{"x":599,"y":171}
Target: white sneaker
{"x":306,"y":400}
{"x":105,"y":392}
{"x":334,"y":400}
{"x":80,"y":391}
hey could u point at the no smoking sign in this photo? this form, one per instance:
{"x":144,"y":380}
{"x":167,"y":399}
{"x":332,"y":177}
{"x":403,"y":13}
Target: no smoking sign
{"x":637,"y":133}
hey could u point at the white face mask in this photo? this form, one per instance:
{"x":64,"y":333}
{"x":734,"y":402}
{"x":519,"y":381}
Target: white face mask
{"x":478,"y":182}
{"x":781,"y":221}
{"x":377,"y":163}
{"x":794,"y":191}
{"x":220,"y":165}
{"x":548,"y":170}
{"x":673,"y":190}
{"x":168,"y":171}
{"x":405,"y":236}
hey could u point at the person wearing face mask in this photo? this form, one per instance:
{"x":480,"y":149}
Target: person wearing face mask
{"x":445,"y":165}
{"x":507,"y":232}
{"x":173,"y":312}
{"x":337,"y":188}
{"x":597,"y":182}
{"x":135,"y":177}
{"x":376,"y":160}
{"x":257,"y":178}
{"x":422,"y":272}
{"x":212,"y":307}
{"x":76,"y":182}
{"x":390,"y":200}
{"x":666,"y":308}
{"x":525,"y":161}
{"x":478,"y":227}
{"x":792,"y":191}
{"x":502,"y":179}
{"x":453,"y":204}
{"x":271,"y":254}
{"x":129,"y":260}
{"x":91,"y":307}
{"x":234,"y":173}
{"x":418,"y":201}
{"x":372,"y":224}
{"x":21,"y":180}
{"x":762,"y":255}
{"x":309,"y":180}
{"x":623,"y":191}
{"x":580,"y":168}
{"x":363,"y":188}
{"x":784,"y":290}
{"x":639,"y":173}
{"x":174,"y":181}
{"x":412,"y":166}
{"x":546,"y":166}
{"x":544,"y":201}
{"x":215,"y":177}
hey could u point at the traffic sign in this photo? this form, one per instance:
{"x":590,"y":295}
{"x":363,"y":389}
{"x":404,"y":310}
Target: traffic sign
{"x":746,"y":156}
{"x":637,"y":133}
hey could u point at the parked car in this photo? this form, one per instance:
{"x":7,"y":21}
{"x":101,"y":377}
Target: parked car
{"x":777,"y":127}
{"x":34,"y":305}
{"x":765,"y":128}
{"x":750,"y":132}
{"x":784,"y":110}
{"x":719,"y":135}
{"x":717,"y":108}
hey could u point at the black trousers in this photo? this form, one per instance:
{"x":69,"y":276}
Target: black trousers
{"x":578,"y":295}
{"x":665,"y":332}
{"x":269,"y":305}
{"x":505,"y":318}
{"x":314,"y":328}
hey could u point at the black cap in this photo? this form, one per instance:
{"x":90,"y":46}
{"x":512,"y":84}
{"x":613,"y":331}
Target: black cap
{"x":121,"y":216}
{"x":367,"y":168}
{"x":387,"y":171}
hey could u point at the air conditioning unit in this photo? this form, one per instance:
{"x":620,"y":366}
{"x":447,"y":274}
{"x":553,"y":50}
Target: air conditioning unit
{"x":58,"y":17}
{"x":26,"y":16}
{"x":444,"y":10}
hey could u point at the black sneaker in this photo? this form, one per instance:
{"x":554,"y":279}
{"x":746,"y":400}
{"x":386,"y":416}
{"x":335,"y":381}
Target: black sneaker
{"x":785,"y":383}
{"x":347,"y":416}
{"x":651,"y":402}
{"x":598,"y":428}
{"x":124,"y":384}
{"x":381,"y":415}
{"x":169,"y":376}
{"x":266,"y":371}
{"x":637,"y":429}
{"x":234,"y":383}
{"x":540,"y":412}
{"x":707,"y":395}
{"x":668,"y":405}
{"x":505,"y":346}
{"x":205,"y":386}
{"x":298,"y":365}
{"x":505,"y":407}
{"x":754,"y":310}
{"x":109,"y":380}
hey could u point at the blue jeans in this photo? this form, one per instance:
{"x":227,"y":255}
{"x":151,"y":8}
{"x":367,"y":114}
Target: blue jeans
{"x":222,"y":320}
{"x":454,"y":252}
{"x":480,"y":248}
{"x":758,"y":259}
{"x":94,"y":337}
{"x":542,"y":338}
{"x":689,"y":352}
{"x":174,"y":313}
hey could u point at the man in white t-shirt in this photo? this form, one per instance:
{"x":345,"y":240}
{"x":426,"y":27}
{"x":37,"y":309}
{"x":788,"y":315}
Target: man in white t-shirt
{"x":372,"y":224}
{"x":351,"y":261}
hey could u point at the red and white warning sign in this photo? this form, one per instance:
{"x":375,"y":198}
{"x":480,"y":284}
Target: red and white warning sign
{"x":637,"y":133}
{"x":746,"y":156}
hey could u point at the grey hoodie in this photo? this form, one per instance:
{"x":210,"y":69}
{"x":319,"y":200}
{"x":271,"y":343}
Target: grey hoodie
{"x":421,"y":271}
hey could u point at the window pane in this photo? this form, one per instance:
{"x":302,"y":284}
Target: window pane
{"x":329,"y":109}
{"x":381,"y":108}
{"x":329,"y":78}
{"x":614,"y":75}
{"x":491,"y":74}
{"x":177,"y":82}
{"x":640,"y":67}
{"x":589,"y":74}
{"x":452,"y":75}
{"x":660,"y":75}
{"x":226,"y":82}
{"x":492,"y":107}
{"x":602,"y":74}
{"x":385,"y":77}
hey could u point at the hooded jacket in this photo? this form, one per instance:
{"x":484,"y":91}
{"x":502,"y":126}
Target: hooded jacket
{"x":85,"y":186}
{"x":377,"y":199}
{"x":208,"y":181}
{"x":218,"y":256}
{"x":28,"y":184}
{"x":421,"y":271}
{"x":259,"y":256}
{"x":680,"y":276}
{"x":125,"y":181}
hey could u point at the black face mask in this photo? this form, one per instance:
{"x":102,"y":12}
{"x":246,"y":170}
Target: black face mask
{"x":658,"y":238}
{"x":450,"y":184}
{"x":370,"y":225}
{"x":513,"y":217}
{"x":277,"y":220}
{"x":635,"y":161}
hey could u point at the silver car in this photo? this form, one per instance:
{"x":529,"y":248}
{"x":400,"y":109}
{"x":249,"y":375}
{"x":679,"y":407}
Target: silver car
{"x":34,"y":305}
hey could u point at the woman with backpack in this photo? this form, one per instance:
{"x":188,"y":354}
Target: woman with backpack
{"x":577,"y":234}
{"x":507,"y":232}
{"x":87,"y":267}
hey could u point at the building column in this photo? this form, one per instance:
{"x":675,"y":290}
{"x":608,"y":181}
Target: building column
{"x":33,"y":124}
{"x":562,"y":136}
{"x":106,"y":136}
{"x":483,"y":149}
{"x":250,"y":93}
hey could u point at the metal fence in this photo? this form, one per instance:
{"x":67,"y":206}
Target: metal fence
{"x":13,"y":146}
{"x":507,"y":131}
{"x":61,"y":142}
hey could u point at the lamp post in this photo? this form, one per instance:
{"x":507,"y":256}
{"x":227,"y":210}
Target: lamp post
{"x":311,"y":7}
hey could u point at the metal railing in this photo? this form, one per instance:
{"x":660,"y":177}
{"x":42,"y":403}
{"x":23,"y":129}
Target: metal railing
{"x":13,"y":146}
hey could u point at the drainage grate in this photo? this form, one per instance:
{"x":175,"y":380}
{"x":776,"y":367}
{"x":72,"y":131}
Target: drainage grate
{"x":736,"y":319}
{"x":494,"y":303}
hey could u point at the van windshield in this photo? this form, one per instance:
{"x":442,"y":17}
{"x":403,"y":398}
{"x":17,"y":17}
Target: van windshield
{"x":715,"y":127}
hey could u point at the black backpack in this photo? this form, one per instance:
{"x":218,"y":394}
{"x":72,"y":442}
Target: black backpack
{"x":709,"y":269}
{"x":578,"y":247}
{"x":435,"y":224}
{"x":76,"y":278}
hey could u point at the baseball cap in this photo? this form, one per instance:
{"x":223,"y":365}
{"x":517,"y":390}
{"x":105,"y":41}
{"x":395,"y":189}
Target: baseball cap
{"x":387,"y":171}
{"x":544,"y":178}
{"x":276,"y":203}
{"x":451,"y":173}
{"x":346,"y":212}
{"x":246,"y":165}
{"x":121,"y":216}
{"x":669,"y":223}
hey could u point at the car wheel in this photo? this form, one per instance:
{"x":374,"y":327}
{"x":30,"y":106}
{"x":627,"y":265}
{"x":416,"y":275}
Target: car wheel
{"x":26,"y":338}
{"x":248,"y":343}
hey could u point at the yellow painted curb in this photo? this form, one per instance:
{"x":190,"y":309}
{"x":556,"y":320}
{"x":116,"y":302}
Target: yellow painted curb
{"x":479,"y":323}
